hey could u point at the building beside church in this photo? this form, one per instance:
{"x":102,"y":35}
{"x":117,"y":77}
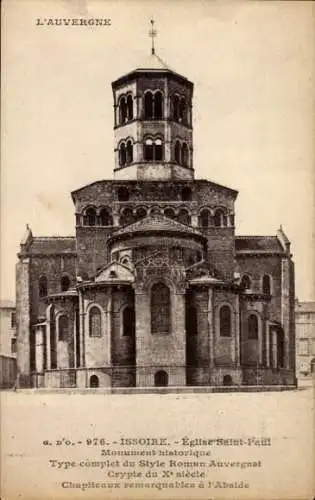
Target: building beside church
{"x":155,"y":288}
{"x":7,"y":344}
{"x":305,"y":341}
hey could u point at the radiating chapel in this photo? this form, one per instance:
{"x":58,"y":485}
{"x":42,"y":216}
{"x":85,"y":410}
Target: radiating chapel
{"x":155,"y":288}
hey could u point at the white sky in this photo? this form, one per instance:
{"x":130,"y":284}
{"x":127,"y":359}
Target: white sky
{"x":253,"y":69}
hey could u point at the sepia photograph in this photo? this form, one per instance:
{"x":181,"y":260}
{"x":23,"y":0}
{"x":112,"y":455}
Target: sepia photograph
{"x":157,"y":249}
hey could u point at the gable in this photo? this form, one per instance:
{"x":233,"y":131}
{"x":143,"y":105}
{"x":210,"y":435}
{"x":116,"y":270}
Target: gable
{"x":114,"y":272}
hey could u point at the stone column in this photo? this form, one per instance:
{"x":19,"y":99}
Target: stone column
{"x":194,"y":220}
{"x":210,"y":325}
{"x":48,"y":366}
{"x":39,"y":349}
{"x":109,"y":313}
{"x":237,"y":351}
{"x":82,"y":328}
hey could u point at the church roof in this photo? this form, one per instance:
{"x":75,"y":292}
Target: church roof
{"x":151,"y":63}
{"x":157,"y":223}
{"x":258,"y":244}
{"x":51,"y":245}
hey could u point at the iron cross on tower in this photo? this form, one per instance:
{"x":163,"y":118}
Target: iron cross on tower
{"x":152,"y":34}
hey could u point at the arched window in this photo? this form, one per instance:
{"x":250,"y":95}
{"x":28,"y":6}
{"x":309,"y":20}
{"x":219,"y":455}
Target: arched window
{"x":153,"y":150}
{"x":65,"y":283}
{"x":160,"y":308}
{"x":169,"y":212}
{"x":246,"y":283}
{"x":176,"y":111}
{"x":63,"y":328}
{"x":158,"y":105}
{"x":95,"y":322}
{"x":90,"y":217}
{"x":129,"y":107}
{"x":177,"y":152}
{"x":158,"y":150}
{"x":185,"y":154}
{"x":161,"y":379}
{"x":148,"y":150}
{"x":129,"y":320}
{"x":122,"y":154}
{"x":42,"y":286}
{"x":94,"y":381}
{"x":105,"y":218}
{"x":148,"y":105}
{"x":219,"y":219}
{"x":204,"y":218}
{"x":191,"y":321}
{"x":313,"y":365}
{"x":252,"y":326}
{"x":227,"y":380}
{"x":129,"y":152}
{"x":186,"y":194}
{"x":141,"y":213}
{"x":225,"y":321}
{"x":122,"y":110}
{"x":184,"y":216}
{"x":126,"y":217}
{"x":183,"y":110}
{"x":123,"y":194}
{"x":266,"y":284}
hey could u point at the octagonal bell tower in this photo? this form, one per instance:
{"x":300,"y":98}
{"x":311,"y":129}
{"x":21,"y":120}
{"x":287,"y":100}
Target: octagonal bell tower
{"x":153,"y":123}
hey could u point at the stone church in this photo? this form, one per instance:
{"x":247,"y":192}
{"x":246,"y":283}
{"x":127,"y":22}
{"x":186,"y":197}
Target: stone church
{"x":155,"y":288}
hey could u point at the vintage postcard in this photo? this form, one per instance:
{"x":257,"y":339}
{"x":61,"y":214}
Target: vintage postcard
{"x":157,"y":250}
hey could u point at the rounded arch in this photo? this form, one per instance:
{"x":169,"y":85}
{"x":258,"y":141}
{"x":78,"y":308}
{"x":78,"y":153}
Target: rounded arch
{"x":95,"y":320}
{"x":185,"y":154}
{"x":90,"y":216}
{"x":161,"y":378}
{"x":158,"y":105}
{"x":170,"y":213}
{"x":204,"y":218}
{"x":225,"y":320}
{"x":127,"y":216}
{"x":122,"y":106}
{"x":267,"y":284}
{"x":220,"y":218}
{"x":106,"y":218}
{"x":65,"y":282}
{"x":253,"y":326}
{"x":175,"y":100}
{"x":246,"y":282}
{"x":42,"y":286}
{"x":153,"y":148}
{"x":183,"y":110}
{"x":160,"y":305}
{"x":184,"y":216}
{"x":122,"y":153}
{"x":155,"y":210}
{"x":128,"y":321}
{"x":148,"y":105}
{"x":141,"y":212}
{"x":177,"y":152}
{"x":312,"y":365}
{"x":129,"y":107}
{"x":94,"y":381}
{"x":129,"y":151}
{"x":125,"y":261}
